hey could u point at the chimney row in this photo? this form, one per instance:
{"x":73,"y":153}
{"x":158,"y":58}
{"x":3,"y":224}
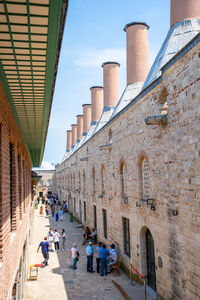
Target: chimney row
{"x":74,"y":134}
{"x":184,"y":9}
{"x":69,"y":140}
{"x":79,"y":127}
{"x":137,"y":52}
{"x":111,"y":88}
{"x":86,"y":118}
{"x":97,"y":103}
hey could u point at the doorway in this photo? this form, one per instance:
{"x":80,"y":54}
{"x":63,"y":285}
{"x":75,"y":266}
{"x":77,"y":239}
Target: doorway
{"x":80,"y":211}
{"x":150,"y":259}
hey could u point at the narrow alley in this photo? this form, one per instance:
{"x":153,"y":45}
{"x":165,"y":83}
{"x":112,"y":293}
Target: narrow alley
{"x":59,"y":281}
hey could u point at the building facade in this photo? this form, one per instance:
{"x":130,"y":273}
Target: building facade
{"x":45,"y":184}
{"x":134,"y":173}
{"x":27,"y":79}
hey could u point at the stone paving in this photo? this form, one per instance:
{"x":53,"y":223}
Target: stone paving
{"x":59,"y":280}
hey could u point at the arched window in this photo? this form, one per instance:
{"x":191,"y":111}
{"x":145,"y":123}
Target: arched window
{"x":110,"y":136}
{"x":71,"y":182}
{"x":123,"y":181}
{"x":79,"y":181}
{"x":74,"y":183}
{"x":145,"y":178}
{"x":162,"y":100}
{"x":83,"y":180}
{"x":102,"y":180}
{"x":93,"y":181}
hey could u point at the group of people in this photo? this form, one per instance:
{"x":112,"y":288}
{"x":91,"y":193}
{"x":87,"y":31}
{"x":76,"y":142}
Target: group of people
{"x":51,"y":208}
{"x":105,"y":258}
{"x":52,"y":238}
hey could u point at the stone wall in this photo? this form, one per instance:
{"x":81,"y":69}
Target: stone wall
{"x":46,"y":183}
{"x":172,"y":176}
{"x":13,"y":242}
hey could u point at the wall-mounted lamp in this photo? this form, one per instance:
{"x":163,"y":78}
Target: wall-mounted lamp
{"x":150,"y":201}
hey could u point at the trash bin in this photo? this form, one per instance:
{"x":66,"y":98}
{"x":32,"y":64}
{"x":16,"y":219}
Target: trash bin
{"x":71,"y":218}
{"x":36,"y":205}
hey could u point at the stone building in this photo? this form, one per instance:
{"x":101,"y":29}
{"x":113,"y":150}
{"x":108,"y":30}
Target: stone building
{"x":29,"y":52}
{"x":132,"y":163}
{"x":45,"y":184}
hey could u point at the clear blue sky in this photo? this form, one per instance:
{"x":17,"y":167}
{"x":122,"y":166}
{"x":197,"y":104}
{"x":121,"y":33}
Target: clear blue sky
{"x":94,"y":34}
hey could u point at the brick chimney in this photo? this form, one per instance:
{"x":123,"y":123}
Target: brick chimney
{"x":183,"y":10}
{"x":137,"y":52}
{"x":111,"y":88}
{"x":74,"y":134}
{"x":69,"y":140}
{"x":97,"y":103}
{"x":86,"y":118}
{"x":79,"y":127}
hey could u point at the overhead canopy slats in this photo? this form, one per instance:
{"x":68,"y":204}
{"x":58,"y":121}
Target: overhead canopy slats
{"x":30,"y":38}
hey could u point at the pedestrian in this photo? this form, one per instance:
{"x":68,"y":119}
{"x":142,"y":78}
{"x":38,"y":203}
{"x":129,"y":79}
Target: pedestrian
{"x":56,"y":238}
{"x":38,"y":200}
{"x":41,"y":210}
{"x":47,"y":210}
{"x":98,"y":259}
{"x":103,"y":256}
{"x":63,"y":239}
{"x":86,"y":235}
{"x":113,"y":257}
{"x":50,"y":239}
{"x":57,"y":215}
{"x":45,"y":251}
{"x":93,"y":235}
{"x":61,"y":212}
{"x":90,"y":254}
{"x":74,"y":255}
{"x":53,"y":210}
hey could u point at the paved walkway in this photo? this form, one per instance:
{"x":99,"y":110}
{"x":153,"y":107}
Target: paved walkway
{"x":59,"y":281}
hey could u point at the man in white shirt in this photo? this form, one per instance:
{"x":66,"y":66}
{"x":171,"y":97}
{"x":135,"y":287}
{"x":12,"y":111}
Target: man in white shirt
{"x":56,"y":238}
{"x":113,"y":257}
{"x":74,"y":255}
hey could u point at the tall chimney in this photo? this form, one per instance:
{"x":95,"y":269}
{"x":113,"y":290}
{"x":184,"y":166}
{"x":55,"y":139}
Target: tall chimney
{"x":97,"y":103}
{"x":183,"y":10}
{"x":111,"y":88}
{"x":86,"y":118}
{"x":137,"y":52}
{"x":69,"y":140}
{"x":79,"y":127}
{"x":74,"y":134}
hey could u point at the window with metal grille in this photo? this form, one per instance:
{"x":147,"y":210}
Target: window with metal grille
{"x":126,"y":236}
{"x":95,"y":216}
{"x":83,"y":180}
{"x":84,"y":208}
{"x":11,"y":183}
{"x":74,"y":205}
{"x":20,"y":185}
{"x":145,"y":179}
{"x":104,"y":213}
{"x":102,"y":180}
{"x":79,"y":181}
{"x":93,"y":181}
